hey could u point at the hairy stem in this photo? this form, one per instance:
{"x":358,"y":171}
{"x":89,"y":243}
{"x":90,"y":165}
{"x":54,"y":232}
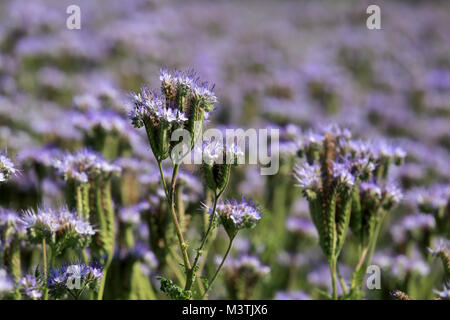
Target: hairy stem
{"x":183,"y":245}
{"x":44,"y":256}
{"x":333,"y":263}
{"x":191,"y":276}
{"x":218,"y":268}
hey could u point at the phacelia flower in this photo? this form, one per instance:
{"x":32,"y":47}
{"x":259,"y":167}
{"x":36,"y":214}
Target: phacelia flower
{"x":237,"y":215}
{"x":392,"y":195}
{"x":84,"y":166}
{"x":74,"y":278}
{"x":61,"y":228}
{"x":307,"y":176}
{"x":33,"y":287}
{"x":342,"y":174}
{"x":184,"y":103}
{"x":7,"y":168}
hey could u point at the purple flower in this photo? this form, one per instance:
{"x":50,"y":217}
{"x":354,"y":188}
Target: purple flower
{"x":7,"y":168}
{"x":392,"y":193}
{"x":85,"y":165}
{"x":307,"y":176}
{"x":75,"y":277}
{"x":243,"y":214}
{"x":61,"y":228}
{"x":33,"y":287}
{"x":342,"y":174}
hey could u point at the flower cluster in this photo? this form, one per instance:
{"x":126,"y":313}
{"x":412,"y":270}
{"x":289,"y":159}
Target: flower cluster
{"x":84,"y":166}
{"x":73,"y":279}
{"x":32,"y":286}
{"x":184,"y":103}
{"x":7,"y":168}
{"x":61,"y":228}
{"x":236,"y":215}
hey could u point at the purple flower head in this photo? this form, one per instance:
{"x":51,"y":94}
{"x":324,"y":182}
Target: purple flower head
{"x":85,"y":165}
{"x":307,"y":176}
{"x":342,"y":174}
{"x":441,"y":246}
{"x":33,"y":287}
{"x":61,"y":228}
{"x":372,"y":189}
{"x":237,"y":215}
{"x":149,"y":106}
{"x":75,"y":277}
{"x":7,"y":168}
{"x":392,"y":194}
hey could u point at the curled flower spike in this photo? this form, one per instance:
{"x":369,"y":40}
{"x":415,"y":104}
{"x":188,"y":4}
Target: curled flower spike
{"x":61,"y":228}
{"x":7,"y":168}
{"x":73,"y":279}
{"x":238,"y":215}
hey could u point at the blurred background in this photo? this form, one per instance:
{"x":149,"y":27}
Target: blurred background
{"x":275,"y":64}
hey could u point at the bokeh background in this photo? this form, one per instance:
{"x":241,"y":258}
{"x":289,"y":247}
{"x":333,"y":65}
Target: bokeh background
{"x":274,"y":63}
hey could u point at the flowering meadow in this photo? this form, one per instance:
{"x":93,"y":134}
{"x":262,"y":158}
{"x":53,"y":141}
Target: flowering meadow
{"x":99,"y":115}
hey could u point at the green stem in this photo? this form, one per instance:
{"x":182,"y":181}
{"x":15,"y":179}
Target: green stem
{"x":332,"y":264}
{"x":44,"y":255}
{"x":341,"y":280}
{"x":183,"y":245}
{"x":191,"y":276}
{"x":218,"y":269}
{"x":107,"y":208}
